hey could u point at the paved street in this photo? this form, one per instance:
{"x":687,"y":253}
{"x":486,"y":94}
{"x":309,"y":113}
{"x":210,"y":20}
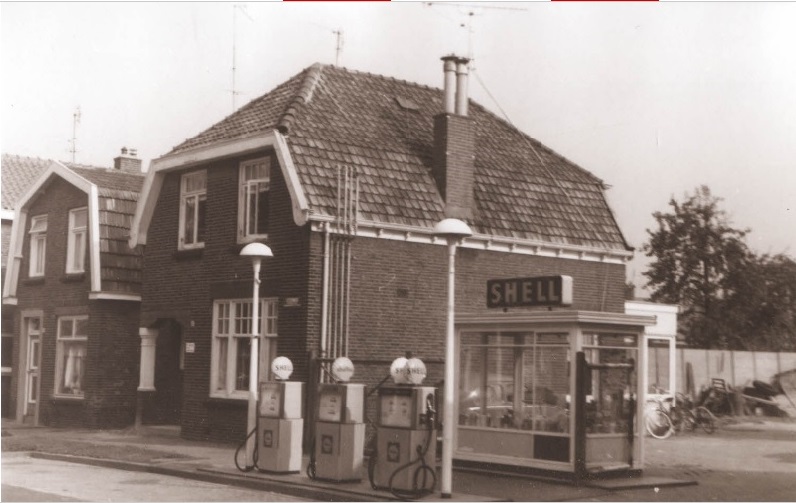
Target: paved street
{"x":31,"y":479}
{"x":750,"y":460}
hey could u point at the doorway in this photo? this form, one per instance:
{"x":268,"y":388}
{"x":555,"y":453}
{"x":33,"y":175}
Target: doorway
{"x":165,"y":405}
{"x":32,"y":358}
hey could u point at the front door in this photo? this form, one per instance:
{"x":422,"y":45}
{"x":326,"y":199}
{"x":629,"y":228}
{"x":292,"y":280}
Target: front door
{"x":31,"y":400}
{"x":607,"y":405}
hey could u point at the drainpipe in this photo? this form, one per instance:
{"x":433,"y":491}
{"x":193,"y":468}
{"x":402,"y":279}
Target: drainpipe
{"x":325,"y":292}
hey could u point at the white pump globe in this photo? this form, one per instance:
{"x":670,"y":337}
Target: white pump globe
{"x":343,"y":369}
{"x":282,"y":367}
{"x":398,"y":370}
{"x":416,"y":371}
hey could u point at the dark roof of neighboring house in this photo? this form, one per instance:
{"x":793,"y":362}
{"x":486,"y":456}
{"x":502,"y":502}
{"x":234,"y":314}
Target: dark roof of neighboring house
{"x":384,"y":127}
{"x":18,"y":173}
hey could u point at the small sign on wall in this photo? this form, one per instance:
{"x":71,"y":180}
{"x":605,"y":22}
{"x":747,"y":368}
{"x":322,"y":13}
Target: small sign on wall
{"x":190,"y":347}
{"x":292,"y":302}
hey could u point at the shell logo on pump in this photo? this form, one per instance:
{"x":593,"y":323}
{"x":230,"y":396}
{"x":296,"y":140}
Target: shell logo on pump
{"x":398,"y":370}
{"x":416,"y":371}
{"x":282,"y":367}
{"x":343,"y":369}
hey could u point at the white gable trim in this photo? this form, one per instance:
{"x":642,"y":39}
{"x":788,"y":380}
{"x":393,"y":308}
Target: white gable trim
{"x":171,"y":162}
{"x":301,"y":208}
{"x":18,"y":230}
{"x":413,"y":234}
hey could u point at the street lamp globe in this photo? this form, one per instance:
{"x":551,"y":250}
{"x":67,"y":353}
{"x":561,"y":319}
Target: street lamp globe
{"x":452,"y":228}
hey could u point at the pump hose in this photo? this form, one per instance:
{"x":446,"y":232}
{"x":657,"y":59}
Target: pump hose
{"x":243,"y":445}
{"x":418,"y":491}
{"x":312,"y":464}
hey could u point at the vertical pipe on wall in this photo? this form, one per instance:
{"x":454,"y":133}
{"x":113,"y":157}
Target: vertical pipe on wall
{"x":325,"y":290}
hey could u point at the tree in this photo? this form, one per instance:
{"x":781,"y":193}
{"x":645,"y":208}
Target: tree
{"x":761,"y":311}
{"x":694,"y":250}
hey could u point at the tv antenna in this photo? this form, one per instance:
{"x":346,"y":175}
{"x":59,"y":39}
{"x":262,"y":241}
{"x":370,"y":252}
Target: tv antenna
{"x":468,"y":22}
{"x":75,"y":122}
{"x":339,"y":47}
{"x":235,"y":8}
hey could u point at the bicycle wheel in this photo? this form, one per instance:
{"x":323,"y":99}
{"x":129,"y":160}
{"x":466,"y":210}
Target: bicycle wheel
{"x":705,"y":419}
{"x":689,"y":421}
{"x":659,"y":424}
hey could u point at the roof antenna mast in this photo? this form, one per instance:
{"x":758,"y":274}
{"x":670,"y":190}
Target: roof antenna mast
{"x":235,"y":8}
{"x":339,"y":48}
{"x":75,"y":122}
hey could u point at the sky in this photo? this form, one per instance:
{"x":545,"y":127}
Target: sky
{"x":653,"y":98}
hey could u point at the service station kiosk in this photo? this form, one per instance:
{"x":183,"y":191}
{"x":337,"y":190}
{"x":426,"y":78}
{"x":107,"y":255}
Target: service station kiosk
{"x":280,"y":422}
{"x":552,"y":390}
{"x":340,"y":427}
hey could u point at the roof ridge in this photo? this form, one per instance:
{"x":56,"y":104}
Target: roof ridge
{"x":312,"y":75}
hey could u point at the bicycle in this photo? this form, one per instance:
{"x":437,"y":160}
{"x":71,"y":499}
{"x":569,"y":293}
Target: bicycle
{"x":657,"y":421}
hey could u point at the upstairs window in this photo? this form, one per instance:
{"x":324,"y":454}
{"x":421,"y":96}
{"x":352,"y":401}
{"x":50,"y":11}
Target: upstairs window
{"x":71,"y":355}
{"x":76,"y":246}
{"x":193,"y":198}
{"x":255,"y":181}
{"x":38,"y":245}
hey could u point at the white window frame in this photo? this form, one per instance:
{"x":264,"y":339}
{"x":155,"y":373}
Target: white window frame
{"x":196,"y":196}
{"x":70,"y":363}
{"x":247,"y":186}
{"x":38,"y":246}
{"x":76,"y":259}
{"x":226,"y":313}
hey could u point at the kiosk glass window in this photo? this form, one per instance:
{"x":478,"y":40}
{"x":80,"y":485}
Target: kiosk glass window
{"x":610,"y":393}
{"x":515,"y":380}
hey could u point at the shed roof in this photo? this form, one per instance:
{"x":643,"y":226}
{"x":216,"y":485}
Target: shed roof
{"x":384,"y":127}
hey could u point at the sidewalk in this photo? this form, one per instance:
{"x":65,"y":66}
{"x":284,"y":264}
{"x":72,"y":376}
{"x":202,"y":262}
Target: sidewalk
{"x":160,"y":450}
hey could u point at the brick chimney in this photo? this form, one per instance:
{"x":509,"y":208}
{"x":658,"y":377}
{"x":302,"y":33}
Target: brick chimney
{"x":128,"y":161}
{"x":453,"y":159}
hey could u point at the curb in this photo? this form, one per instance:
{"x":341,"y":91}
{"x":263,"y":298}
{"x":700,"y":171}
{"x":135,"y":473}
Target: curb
{"x":206,"y":475}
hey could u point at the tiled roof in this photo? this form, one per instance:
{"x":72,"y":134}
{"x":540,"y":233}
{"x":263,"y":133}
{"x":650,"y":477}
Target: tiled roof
{"x":18,"y":173}
{"x":384,"y":128}
{"x":118,"y":195}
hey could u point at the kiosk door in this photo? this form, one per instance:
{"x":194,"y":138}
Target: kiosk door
{"x":606,"y":403}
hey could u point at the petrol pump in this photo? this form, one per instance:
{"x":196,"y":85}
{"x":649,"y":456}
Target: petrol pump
{"x":280,"y":422}
{"x":406,"y":435}
{"x":339,"y":427}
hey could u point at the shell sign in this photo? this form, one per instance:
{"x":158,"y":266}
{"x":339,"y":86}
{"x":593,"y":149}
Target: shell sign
{"x":537,"y":291}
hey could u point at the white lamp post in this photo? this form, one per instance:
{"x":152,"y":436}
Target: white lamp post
{"x":454,"y":231}
{"x":257,"y":252}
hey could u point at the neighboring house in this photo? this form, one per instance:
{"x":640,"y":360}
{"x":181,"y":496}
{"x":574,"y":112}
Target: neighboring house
{"x":367,"y":280}
{"x":76,"y":288}
{"x":18,"y":173}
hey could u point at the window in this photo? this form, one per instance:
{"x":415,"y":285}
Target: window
{"x":38,"y":245}
{"x":71,"y":355}
{"x":253,"y":202}
{"x":515,"y":380}
{"x":193,"y":196}
{"x":76,"y":247}
{"x":232,"y":324}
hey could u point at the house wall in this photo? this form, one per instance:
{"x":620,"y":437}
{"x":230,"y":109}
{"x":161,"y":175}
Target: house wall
{"x":112,"y":347}
{"x":183,"y":286}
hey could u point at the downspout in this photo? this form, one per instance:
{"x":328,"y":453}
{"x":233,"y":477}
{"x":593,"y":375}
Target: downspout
{"x":325,"y":292}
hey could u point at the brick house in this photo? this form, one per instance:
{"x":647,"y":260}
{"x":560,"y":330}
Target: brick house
{"x":18,"y":174}
{"x":75,"y":286}
{"x":344,"y":174}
